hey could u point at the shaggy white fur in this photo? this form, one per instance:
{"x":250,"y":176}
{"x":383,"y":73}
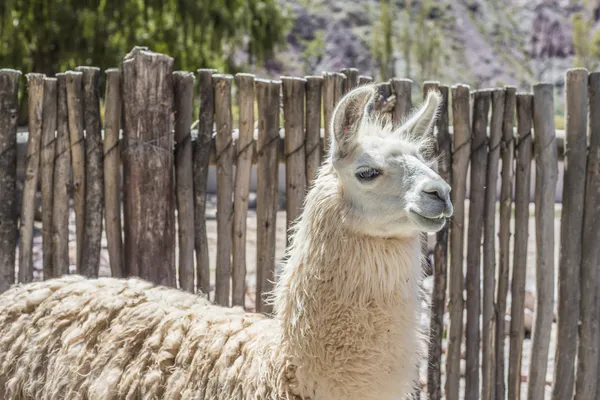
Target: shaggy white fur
{"x":346,"y":304}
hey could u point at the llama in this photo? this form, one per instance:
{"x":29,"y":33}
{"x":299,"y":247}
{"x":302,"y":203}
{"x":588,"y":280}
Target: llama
{"x":346,"y":305}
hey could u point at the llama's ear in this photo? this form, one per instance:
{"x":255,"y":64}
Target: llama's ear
{"x":423,"y":119}
{"x":364,"y":101}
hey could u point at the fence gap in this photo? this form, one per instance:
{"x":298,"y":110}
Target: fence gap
{"x":460,"y":162}
{"x":47,"y":154}
{"x":546,"y":174}
{"x":506,"y":197}
{"x":183,"y":91}
{"x":9,"y":106}
{"x":268,"y":95}
{"x":243,"y":171}
{"x":523,"y":150}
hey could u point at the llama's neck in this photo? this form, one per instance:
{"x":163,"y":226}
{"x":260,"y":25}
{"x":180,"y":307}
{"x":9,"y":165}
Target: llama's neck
{"x":348,"y":303}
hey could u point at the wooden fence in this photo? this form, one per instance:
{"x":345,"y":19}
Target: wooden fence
{"x":164,"y":173}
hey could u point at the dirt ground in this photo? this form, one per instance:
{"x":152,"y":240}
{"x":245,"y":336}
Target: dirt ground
{"x":281,"y":237}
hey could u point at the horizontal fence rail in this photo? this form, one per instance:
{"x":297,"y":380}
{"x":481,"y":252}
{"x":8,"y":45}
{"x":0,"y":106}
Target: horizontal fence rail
{"x":137,"y":179}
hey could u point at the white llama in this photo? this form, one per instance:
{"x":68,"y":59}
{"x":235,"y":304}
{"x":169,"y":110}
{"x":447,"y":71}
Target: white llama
{"x":346,"y":306}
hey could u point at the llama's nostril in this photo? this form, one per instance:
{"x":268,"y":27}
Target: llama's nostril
{"x":435,"y":193}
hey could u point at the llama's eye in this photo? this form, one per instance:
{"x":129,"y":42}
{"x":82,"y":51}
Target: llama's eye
{"x":367,"y":174}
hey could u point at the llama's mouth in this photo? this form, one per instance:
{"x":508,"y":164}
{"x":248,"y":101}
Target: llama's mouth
{"x":427,"y":224}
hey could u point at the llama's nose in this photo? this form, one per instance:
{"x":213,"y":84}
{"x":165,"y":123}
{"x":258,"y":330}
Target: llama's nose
{"x":439,"y":190}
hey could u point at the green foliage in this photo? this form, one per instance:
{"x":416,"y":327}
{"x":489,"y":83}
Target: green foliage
{"x":52,"y":36}
{"x":383,"y":32}
{"x":313,"y":50}
{"x":585,"y":44}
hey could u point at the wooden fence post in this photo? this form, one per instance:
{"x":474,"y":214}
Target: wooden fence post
{"x":364,"y":79}
{"x":351,"y":80}
{"x":571,"y":226}
{"x":332,"y":94}
{"x":268,"y":93}
{"x":523,"y":152}
{"x":47,"y":153}
{"x":546,"y":174}
{"x":148,"y":166}
{"x":243,"y":171}
{"x":35,"y":83}
{"x":112,"y":171}
{"x":293,"y":116}
{"x":62,"y":183}
{"x":440,"y":264}
{"x":402,"y":88}
{"x":460,"y":163}
{"x":183,"y":92}
{"x":481,"y":106}
{"x":489,"y":246}
{"x":586,"y":386}
{"x":9,"y":106}
{"x":506,"y":197}
{"x":77,"y":143}
{"x":94,"y":172}
{"x":313,"y":126}
{"x":224,"y":159}
{"x":202,"y":148}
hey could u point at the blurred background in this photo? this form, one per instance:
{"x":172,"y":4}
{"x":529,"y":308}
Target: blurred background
{"x":480,"y":43}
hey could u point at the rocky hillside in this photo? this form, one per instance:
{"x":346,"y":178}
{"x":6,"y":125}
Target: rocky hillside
{"x":483,"y":43}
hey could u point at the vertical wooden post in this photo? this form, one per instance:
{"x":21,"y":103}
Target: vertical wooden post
{"x":9,"y":108}
{"x":351,"y":80}
{"x":364,"y":79}
{"x":313,"y":126}
{"x":506,"y":196}
{"x":94,"y":172}
{"x":224,"y":157}
{"x":546,"y":173}
{"x":77,"y":142}
{"x":332,"y":94}
{"x":293,"y":116}
{"x":489,"y":246}
{"x":47,"y":170}
{"x":586,"y":386}
{"x":460,"y":163}
{"x":112,"y":173}
{"x":571,"y":230}
{"x":481,"y":107}
{"x":148,"y":166}
{"x":440,"y":265}
{"x":62,"y":184}
{"x":268,"y":93}
{"x":245,"y":100}
{"x":402,"y":88}
{"x":183,"y":91}
{"x":35,"y":84}
{"x":522,"y":194}
{"x":202,"y":147}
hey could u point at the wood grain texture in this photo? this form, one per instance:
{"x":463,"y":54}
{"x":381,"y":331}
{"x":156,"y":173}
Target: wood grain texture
{"x":314,"y":85}
{"x":225,"y":155}
{"x":506,"y":196}
{"x":571,"y":232}
{"x":35,"y":87}
{"x":460,"y":163}
{"x":243,"y":155}
{"x":351,"y":80}
{"x":332,"y":94}
{"x":364,"y":79}
{"x":203,"y":145}
{"x":268,"y":95}
{"x":402,"y":89}
{"x":9,"y":214}
{"x":149,"y":239}
{"x":94,"y":173}
{"x":523,"y":151}
{"x":77,"y":142}
{"x":47,"y":153}
{"x":183,"y":92}
{"x":546,"y":174}
{"x":479,"y":144}
{"x":112,"y":171}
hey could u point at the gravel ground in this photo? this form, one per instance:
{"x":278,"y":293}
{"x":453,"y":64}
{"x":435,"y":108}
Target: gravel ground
{"x":251,"y":272}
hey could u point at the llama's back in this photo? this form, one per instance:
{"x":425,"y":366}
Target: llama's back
{"x":126,"y":338}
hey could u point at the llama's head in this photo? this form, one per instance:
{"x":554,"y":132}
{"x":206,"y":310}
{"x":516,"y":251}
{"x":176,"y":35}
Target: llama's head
{"x":384,"y":171}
